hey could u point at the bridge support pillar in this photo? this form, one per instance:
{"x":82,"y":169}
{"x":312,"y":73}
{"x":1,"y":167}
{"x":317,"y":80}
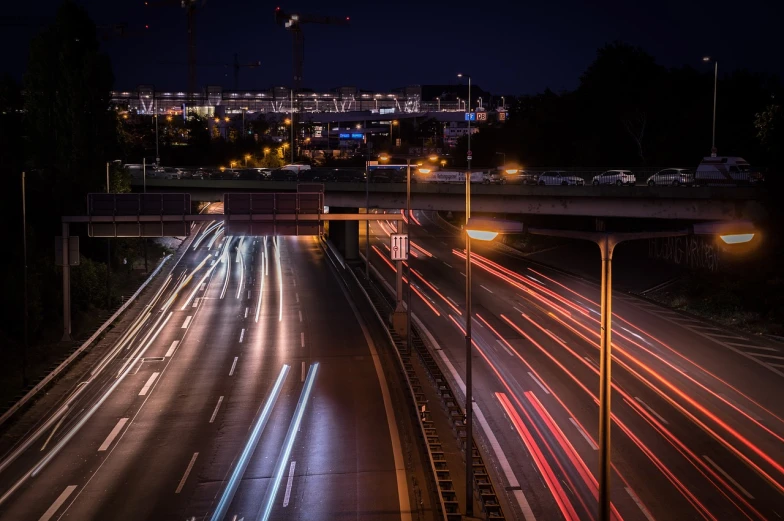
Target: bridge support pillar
{"x":66,"y":285}
{"x":345,"y":234}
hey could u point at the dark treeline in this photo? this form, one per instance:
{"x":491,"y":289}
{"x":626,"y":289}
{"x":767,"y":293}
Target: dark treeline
{"x":630,"y":111}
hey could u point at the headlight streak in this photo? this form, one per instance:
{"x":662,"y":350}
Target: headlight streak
{"x":242,"y":266}
{"x":288,"y":443}
{"x":250,"y":447}
{"x":405,"y":279}
{"x":261,"y":284}
{"x":276,"y":245}
{"x":203,"y":234}
{"x":218,"y":231}
{"x":226,"y":261}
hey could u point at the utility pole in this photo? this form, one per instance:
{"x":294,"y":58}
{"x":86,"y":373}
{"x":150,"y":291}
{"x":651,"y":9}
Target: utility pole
{"x":109,"y":253}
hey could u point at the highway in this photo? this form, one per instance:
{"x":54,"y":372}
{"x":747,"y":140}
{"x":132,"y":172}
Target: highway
{"x":698,"y":420}
{"x":235,"y":396}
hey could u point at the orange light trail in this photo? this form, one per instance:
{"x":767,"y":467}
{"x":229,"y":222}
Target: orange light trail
{"x":638,"y":409}
{"x":413,"y":217}
{"x":651,"y":456}
{"x":457,"y":310}
{"x":420,"y":248}
{"x":544,"y":468}
{"x":405,"y":279}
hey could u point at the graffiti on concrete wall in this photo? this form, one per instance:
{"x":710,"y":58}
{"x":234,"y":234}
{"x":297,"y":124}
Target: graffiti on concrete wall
{"x":693,"y":252}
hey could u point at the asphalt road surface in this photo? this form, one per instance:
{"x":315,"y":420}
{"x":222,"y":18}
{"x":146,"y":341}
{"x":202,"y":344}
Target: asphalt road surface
{"x":698,"y":419}
{"x":249,"y":390}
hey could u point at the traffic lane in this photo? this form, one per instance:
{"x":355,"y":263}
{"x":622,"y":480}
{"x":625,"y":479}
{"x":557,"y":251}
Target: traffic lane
{"x":482,"y":294}
{"x":345,"y":454}
{"x":140,"y":473}
{"x":88,"y":437}
{"x":592,"y":416}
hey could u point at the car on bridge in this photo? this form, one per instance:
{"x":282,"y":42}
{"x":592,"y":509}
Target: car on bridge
{"x":615,"y":177}
{"x":726,"y":171}
{"x":559,"y":177}
{"x":672,"y":177}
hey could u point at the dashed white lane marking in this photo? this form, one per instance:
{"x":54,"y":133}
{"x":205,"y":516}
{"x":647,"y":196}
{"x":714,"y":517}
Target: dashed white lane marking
{"x":233,"y":365}
{"x":639,"y":504}
{"x":187,"y":471}
{"x":113,"y":434}
{"x":288,"y":485}
{"x":763,"y":355}
{"x":724,"y":473}
{"x":540,"y":384}
{"x":296,"y":295}
{"x":302,"y":378}
{"x":300,"y":316}
{"x":203,"y":285}
{"x":484,"y":288}
{"x":187,"y":322}
{"x":505,"y":348}
{"x":242,"y":335}
{"x":447,"y":264}
{"x":593,"y":444}
{"x":195,"y":302}
{"x":650,"y":410}
{"x":246,"y":312}
{"x":172,"y":349}
{"x":150,"y":381}
{"x":302,"y":339}
{"x":49,"y":514}
{"x":217,"y":407}
{"x":737,"y":405}
{"x":519,"y":311}
{"x":749,"y":346}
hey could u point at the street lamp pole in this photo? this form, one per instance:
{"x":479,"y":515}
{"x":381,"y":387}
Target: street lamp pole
{"x":24,"y":258}
{"x":367,"y":222}
{"x":109,"y":251}
{"x":469,"y":467}
{"x":715,"y":86}
{"x":157,"y":153}
{"x":408,"y":253}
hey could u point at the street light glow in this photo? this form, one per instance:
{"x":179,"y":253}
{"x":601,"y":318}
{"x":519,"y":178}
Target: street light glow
{"x":383,"y":157}
{"x":433,"y":158}
{"x":424,"y":170}
{"x":482,"y":235}
{"x":511,"y":171}
{"x":737,"y":238}
{"x":706,"y":58}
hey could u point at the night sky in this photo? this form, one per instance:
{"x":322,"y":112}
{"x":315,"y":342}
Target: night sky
{"x":508,"y":47}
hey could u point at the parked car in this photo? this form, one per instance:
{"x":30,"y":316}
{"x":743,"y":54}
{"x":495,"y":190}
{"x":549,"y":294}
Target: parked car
{"x":283,"y":174}
{"x":225,"y":173}
{"x":615,"y":177}
{"x":559,"y":177}
{"x":672,"y":176}
{"x":171,"y":173}
{"x":342,"y":175}
{"x":726,"y":171}
{"x":518,"y":176}
{"x":296,"y":167}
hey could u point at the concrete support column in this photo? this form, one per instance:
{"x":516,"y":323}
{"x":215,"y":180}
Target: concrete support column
{"x":345,"y":234}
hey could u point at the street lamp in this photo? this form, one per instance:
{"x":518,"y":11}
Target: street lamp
{"x":488,"y":229}
{"x":707,"y":59}
{"x":439,"y":103}
{"x":503,"y":102}
{"x":247,"y":156}
{"x":469,"y":469}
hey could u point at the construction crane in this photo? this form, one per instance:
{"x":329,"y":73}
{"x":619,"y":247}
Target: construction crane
{"x":293,"y":22}
{"x":190,"y":12}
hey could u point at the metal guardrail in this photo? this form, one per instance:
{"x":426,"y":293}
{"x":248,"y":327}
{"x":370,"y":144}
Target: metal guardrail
{"x":488,"y":499}
{"x":79,"y":350}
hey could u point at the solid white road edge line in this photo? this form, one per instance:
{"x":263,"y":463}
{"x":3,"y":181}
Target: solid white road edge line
{"x":288,"y":485}
{"x":540,"y":384}
{"x":113,"y":434}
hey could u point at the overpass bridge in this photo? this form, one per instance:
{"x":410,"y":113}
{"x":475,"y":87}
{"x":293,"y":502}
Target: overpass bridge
{"x":644,"y":202}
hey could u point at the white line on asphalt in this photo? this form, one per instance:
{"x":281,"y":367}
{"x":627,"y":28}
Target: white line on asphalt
{"x":288,"y":485}
{"x":51,"y":434}
{"x":650,"y":410}
{"x":195,"y":302}
{"x":736,"y":404}
{"x":590,"y":361}
{"x":246,"y":312}
{"x":637,"y":501}
{"x":762,"y":355}
{"x":484,"y":288}
{"x":217,"y":407}
{"x":49,"y":514}
{"x":149,"y":383}
{"x":540,"y":384}
{"x":300,"y":316}
{"x":447,"y":264}
{"x":187,"y":471}
{"x":242,"y":334}
{"x":519,"y":311}
{"x":302,"y":339}
{"x":724,"y":473}
{"x":556,"y":336}
{"x":593,"y":445}
{"x":763,"y":348}
{"x":463,"y":274}
{"x":297,"y":295}
{"x":233,"y":365}
{"x":302,"y":379}
{"x":110,"y":438}
{"x":203,"y":285}
{"x":505,"y":348}
{"x":187,"y":322}
{"x":172,"y":349}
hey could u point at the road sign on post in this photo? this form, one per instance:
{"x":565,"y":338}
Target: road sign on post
{"x":470,"y":116}
{"x":469,"y":155}
{"x":398,"y":246}
{"x":481,"y":116}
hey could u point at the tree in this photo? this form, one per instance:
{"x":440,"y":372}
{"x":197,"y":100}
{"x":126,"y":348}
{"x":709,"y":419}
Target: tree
{"x":67,"y":92}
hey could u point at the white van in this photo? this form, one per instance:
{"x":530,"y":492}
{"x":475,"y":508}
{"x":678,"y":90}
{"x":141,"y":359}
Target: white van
{"x":296,"y":167}
{"x":725,"y":171}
